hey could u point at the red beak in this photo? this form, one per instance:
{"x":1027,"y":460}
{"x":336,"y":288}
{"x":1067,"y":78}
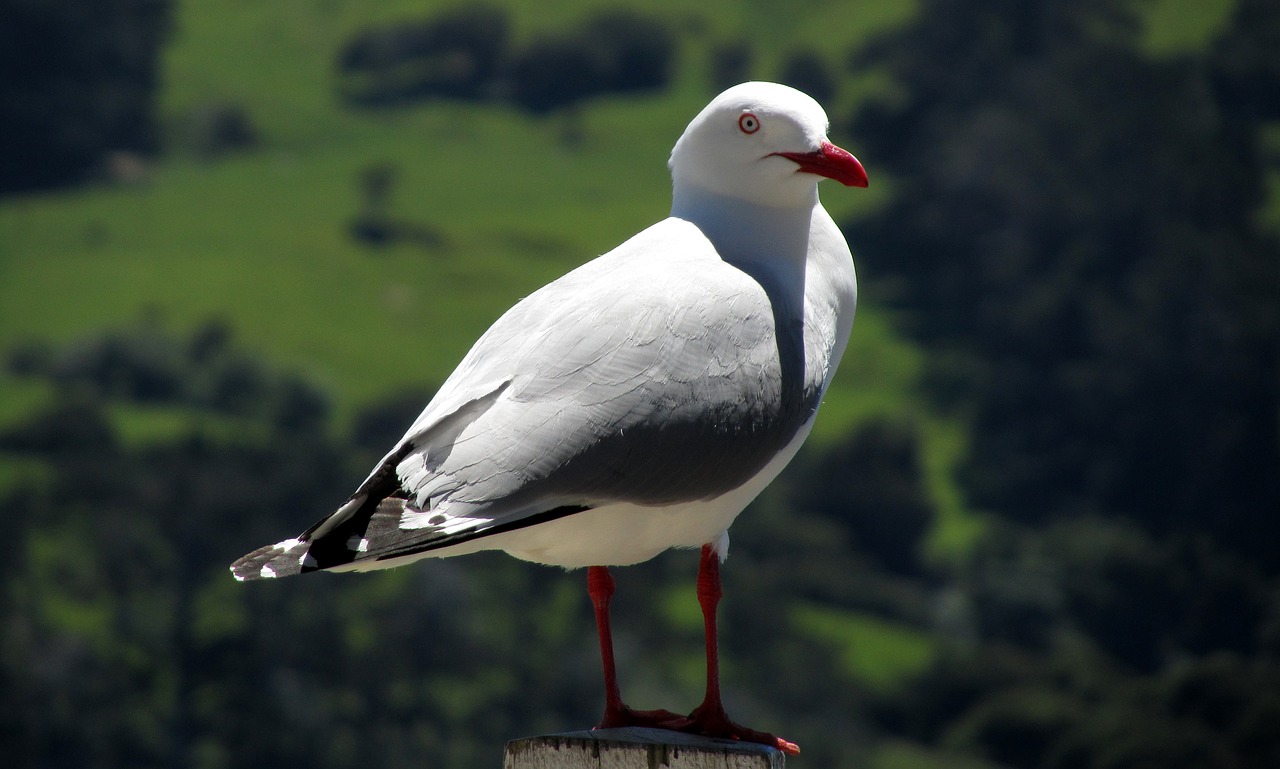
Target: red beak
{"x":831,"y":162}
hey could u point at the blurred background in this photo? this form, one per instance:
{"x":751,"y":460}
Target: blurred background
{"x":241,"y":242}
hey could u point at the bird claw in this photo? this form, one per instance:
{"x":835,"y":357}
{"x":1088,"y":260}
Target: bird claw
{"x":705,"y":722}
{"x":623,"y":716}
{"x":713,"y":722}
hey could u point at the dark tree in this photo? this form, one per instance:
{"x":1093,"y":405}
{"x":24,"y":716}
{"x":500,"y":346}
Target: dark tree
{"x":1245,"y":61}
{"x":456,"y":54}
{"x":809,"y":72}
{"x":730,"y":63}
{"x":872,"y":483}
{"x":78,"y":80}
{"x":615,"y":51}
{"x":637,"y":52}
{"x":554,"y":72}
{"x":1075,"y":235}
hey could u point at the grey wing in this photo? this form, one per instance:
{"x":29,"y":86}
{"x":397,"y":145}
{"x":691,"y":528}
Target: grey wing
{"x":627,"y":383}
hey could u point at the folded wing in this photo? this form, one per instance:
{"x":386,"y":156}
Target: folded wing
{"x":597,"y":388}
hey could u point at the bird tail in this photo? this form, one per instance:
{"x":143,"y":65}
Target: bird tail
{"x":336,"y":543}
{"x":283,"y":559}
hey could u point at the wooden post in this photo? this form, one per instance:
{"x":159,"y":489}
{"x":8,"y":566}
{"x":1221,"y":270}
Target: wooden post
{"x":635,"y":748}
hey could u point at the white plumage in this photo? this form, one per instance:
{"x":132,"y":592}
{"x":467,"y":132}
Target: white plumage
{"x":641,"y":401}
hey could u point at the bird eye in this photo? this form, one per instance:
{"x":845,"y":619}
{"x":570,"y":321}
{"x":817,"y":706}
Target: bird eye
{"x":748,"y":123}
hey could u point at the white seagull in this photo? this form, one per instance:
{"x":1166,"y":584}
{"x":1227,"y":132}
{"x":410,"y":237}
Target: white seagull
{"x":642,"y":400}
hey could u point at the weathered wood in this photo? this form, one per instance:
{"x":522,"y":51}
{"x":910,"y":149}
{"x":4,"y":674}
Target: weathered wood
{"x":635,"y":748}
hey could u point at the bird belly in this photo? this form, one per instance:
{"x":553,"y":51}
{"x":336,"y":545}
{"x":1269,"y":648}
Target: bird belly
{"x":622,"y":534}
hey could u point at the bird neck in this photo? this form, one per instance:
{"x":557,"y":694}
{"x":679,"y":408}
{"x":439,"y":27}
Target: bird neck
{"x":749,"y":234}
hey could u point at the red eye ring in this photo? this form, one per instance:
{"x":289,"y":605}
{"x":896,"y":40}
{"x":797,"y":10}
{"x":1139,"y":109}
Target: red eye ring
{"x":748,"y":123}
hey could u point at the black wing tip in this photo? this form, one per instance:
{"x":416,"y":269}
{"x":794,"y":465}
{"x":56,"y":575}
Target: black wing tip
{"x":369,"y":536}
{"x":283,"y":559}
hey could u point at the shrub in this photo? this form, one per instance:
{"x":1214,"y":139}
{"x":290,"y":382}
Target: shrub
{"x":616,"y":51}
{"x":731,"y":64}
{"x":462,"y":54}
{"x":1017,"y":727}
{"x":216,"y":128}
{"x":80,"y":80}
{"x":809,"y":72}
{"x":456,"y":54}
{"x":873,"y":483}
{"x":553,"y":73}
{"x":636,"y":52}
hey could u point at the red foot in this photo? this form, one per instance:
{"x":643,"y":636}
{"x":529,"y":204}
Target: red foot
{"x":709,"y":718}
{"x":706,"y":722}
{"x":713,"y":722}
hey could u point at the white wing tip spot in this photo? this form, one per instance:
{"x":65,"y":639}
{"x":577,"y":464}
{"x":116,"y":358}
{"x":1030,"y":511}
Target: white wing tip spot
{"x":288,"y":544}
{"x":267,"y":572}
{"x":358,"y":544}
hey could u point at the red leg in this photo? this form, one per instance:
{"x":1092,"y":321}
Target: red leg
{"x":709,"y":718}
{"x":600,"y":587}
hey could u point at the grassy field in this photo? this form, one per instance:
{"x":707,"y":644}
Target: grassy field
{"x":260,"y":238}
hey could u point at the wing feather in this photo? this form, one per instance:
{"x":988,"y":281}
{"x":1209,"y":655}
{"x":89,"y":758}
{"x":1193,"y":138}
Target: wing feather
{"x":638,"y":377}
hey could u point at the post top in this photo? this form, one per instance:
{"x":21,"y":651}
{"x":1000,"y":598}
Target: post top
{"x":637,"y":748}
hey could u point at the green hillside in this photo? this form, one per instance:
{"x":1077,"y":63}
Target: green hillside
{"x":260,"y":238}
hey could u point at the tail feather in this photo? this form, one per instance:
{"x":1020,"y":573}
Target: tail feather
{"x":337,"y":546}
{"x":283,"y":559}
{"x":376,"y":536}
{"x":324,"y":545}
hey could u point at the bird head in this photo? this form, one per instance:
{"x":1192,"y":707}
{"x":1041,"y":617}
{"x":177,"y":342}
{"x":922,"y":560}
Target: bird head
{"x":764,"y":143}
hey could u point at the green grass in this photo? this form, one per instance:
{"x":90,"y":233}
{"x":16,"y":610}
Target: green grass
{"x":143,"y":425}
{"x":878,"y":653}
{"x":957,"y":527}
{"x":63,"y":588}
{"x":1178,"y":26}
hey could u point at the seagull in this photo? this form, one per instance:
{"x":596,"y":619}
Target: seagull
{"x":639,"y":402}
